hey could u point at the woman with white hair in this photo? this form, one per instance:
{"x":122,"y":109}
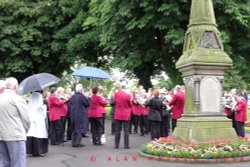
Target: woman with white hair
{"x":37,"y":136}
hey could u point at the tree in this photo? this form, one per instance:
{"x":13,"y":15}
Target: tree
{"x":142,"y":34}
{"x":144,"y":37}
{"x":45,"y":36}
{"x":26,"y":36}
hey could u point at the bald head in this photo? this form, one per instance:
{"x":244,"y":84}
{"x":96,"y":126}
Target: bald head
{"x":11,"y":83}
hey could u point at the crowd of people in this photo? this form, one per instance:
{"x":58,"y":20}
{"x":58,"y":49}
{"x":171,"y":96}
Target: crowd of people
{"x":65,"y":115}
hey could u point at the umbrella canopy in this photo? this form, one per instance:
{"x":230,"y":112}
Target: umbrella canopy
{"x":91,"y":72}
{"x":37,"y":82}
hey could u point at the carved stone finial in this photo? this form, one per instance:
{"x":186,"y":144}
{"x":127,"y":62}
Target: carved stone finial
{"x":203,"y":44}
{"x":202,"y":13}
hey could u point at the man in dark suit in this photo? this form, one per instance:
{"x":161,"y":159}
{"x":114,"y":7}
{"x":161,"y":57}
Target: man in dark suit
{"x":177,"y":104}
{"x":123,"y":109}
{"x":78,"y":113}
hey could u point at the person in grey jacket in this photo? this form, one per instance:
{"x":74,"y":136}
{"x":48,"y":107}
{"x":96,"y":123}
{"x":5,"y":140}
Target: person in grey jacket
{"x":14,"y":124}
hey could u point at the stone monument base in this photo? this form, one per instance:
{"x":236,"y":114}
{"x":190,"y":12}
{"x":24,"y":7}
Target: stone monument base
{"x":199,"y":128}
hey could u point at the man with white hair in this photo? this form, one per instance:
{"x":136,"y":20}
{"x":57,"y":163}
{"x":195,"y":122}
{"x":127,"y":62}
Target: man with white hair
{"x":2,"y":86}
{"x":14,"y":124}
{"x":78,"y":113}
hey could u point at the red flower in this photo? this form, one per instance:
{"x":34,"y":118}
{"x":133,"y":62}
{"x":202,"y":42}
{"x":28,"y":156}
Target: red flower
{"x":207,"y":143}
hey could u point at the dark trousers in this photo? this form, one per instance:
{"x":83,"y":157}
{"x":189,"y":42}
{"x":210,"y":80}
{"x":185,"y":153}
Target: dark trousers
{"x":134,"y":121}
{"x":96,"y":127}
{"x":64,"y":121}
{"x":76,"y":139}
{"x":165,"y":126}
{"x":56,"y":132}
{"x":112,"y":125}
{"x":155,"y":129}
{"x":239,"y":128}
{"x":174,"y":124}
{"x":103,"y":123}
{"x":118,"y":128}
{"x":144,"y":125}
{"x":69,"y":128}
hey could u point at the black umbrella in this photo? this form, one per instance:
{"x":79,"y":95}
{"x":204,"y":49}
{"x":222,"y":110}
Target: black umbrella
{"x":37,"y":82}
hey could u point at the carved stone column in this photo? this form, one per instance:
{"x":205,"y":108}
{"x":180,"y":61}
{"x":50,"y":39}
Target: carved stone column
{"x":203,"y":64}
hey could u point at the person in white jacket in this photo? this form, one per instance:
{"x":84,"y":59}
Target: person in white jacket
{"x":37,"y":136}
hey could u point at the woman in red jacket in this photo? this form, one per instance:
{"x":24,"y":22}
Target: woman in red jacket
{"x":56,"y":127}
{"x":95,"y":115}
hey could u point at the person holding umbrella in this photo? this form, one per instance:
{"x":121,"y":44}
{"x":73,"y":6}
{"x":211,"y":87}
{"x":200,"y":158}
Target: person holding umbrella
{"x":95,"y":115}
{"x":78,"y":104}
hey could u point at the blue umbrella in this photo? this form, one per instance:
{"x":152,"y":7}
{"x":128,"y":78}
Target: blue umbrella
{"x":91,"y":72}
{"x":37,"y":82}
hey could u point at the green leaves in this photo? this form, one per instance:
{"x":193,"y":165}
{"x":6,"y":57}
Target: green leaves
{"x":142,"y":37}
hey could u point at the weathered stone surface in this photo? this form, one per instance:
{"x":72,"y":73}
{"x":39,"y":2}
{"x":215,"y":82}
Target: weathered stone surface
{"x":201,"y":129}
{"x":203,"y":64}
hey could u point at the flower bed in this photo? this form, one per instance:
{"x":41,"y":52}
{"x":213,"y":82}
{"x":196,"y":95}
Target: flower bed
{"x":219,"y":149}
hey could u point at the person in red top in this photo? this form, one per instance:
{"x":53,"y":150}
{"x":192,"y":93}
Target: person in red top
{"x":64,"y":108}
{"x":100,"y":93}
{"x":123,"y":109}
{"x":135,"y":114}
{"x":56,"y":127}
{"x":177,"y":104}
{"x":240,"y":114}
{"x":95,"y":115}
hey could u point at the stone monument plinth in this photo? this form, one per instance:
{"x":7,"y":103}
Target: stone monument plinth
{"x":203,"y":64}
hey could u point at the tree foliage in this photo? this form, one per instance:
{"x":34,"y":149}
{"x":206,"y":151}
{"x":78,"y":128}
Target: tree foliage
{"x":44,"y":36}
{"x":27,"y":30}
{"x":147,"y":36}
{"x":144,"y":37}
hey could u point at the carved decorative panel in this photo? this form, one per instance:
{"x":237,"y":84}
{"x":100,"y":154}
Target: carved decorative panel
{"x":209,"y":40}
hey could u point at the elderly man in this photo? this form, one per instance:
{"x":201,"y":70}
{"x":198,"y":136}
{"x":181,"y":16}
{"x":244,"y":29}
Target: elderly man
{"x":14,"y":124}
{"x":78,"y":113}
{"x":2,"y":86}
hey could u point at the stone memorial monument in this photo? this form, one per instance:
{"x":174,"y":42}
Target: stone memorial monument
{"x":203,"y":64}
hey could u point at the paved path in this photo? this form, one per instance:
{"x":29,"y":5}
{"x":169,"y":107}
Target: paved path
{"x":107,"y":156}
